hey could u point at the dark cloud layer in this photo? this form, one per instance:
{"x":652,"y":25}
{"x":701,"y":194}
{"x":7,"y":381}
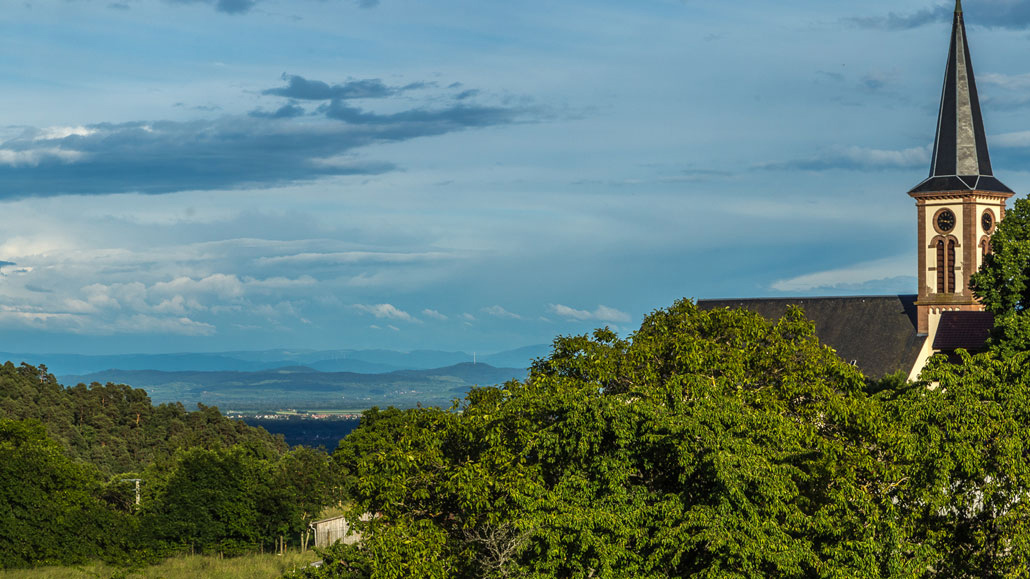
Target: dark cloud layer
{"x":989,"y":13}
{"x":256,"y":150}
{"x":298,"y":87}
{"x":227,"y":6}
{"x":243,"y":6}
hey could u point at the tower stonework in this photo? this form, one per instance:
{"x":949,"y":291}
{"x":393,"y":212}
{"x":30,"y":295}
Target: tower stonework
{"x":961,"y":202}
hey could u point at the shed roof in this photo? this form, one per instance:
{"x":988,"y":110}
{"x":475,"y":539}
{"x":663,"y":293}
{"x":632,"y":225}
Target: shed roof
{"x":876,"y":333}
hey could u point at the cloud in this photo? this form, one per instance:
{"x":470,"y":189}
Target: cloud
{"x":14,"y":317}
{"x":386,"y":312}
{"x":226,"y":6}
{"x":1018,"y":139}
{"x":856,"y":158}
{"x":284,"y":112}
{"x":233,"y":151}
{"x":895,"y":21}
{"x":878,"y":275}
{"x":1010,"y":14}
{"x":601,"y":313}
{"x":238,"y":6}
{"x":298,"y":87}
{"x":354,"y":257}
{"x":499,"y":312}
{"x":1009,"y":91}
{"x":433,"y":314}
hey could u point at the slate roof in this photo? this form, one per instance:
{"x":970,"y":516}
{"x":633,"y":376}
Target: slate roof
{"x":968,"y":330}
{"x":876,"y":333}
{"x":960,"y":159}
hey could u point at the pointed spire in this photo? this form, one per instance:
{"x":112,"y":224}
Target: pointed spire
{"x":960,"y":158}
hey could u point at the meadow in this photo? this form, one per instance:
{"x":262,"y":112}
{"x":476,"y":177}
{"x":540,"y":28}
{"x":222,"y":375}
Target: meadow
{"x":184,"y":567}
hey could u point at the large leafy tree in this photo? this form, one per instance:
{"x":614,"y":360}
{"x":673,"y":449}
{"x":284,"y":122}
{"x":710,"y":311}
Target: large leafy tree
{"x":235,"y":500}
{"x":968,"y":465}
{"x":709,"y":443}
{"x":49,"y":513}
{"x":1003,"y":282}
{"x":967,"y":425}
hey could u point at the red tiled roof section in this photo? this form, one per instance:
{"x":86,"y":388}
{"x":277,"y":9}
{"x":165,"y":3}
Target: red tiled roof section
{"x":968,"y":330}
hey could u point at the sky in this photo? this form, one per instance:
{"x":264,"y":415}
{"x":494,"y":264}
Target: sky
{"x":214,"y":175}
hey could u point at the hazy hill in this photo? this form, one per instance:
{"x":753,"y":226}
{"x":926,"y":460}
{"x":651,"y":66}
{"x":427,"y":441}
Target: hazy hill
{"x":305,"y":387}
{"x":358,"y":361}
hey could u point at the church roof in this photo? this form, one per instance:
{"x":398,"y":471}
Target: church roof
{"x":960,"y":159}
{"x":968,"y":330}
{"x":876,"y":333}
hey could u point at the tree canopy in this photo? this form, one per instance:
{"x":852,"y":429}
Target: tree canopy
{"x":709,"y":443}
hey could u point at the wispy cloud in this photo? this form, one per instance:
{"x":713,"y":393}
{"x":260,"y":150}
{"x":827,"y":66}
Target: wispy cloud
{"x":237,"y":6}
{"x":856,"y":158}
{"x":298,"y":87}
{"x":386,"y":312}
{"x":499,"y":312}
{"x":876,"y":276}
{"x":433,"y":314}
{"x":1010,"y":14}
{"x":601,"y":313}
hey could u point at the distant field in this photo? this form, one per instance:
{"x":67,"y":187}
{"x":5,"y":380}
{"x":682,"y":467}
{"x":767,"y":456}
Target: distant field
{"x":209,"y":567}
{"x":300,"y":387}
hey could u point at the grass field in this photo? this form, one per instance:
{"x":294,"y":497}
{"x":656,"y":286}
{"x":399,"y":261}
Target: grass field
{"x":248,"y":566}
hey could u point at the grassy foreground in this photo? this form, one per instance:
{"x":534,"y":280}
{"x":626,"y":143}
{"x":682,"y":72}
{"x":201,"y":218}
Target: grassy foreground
{"x":248,"y":566}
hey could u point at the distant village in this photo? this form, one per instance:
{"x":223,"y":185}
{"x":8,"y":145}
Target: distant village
{"x":292,"y":415}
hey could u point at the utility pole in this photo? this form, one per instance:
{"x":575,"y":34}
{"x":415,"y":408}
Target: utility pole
{"x":137,"y":481}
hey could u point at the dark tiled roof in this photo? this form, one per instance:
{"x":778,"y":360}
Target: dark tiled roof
{"x":960,"y":159}
{"x":877,"y":333}
{"x":967,"y":330}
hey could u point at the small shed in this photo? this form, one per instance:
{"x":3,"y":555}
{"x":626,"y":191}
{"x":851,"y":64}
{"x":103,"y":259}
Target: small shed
{"x":328,"y":531}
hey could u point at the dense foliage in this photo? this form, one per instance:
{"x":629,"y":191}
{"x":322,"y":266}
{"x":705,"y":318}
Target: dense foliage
{"x":209,"y":484}
{"x":49,"y":509}
{"x":707,"y":444}
{"x":115,"y":427}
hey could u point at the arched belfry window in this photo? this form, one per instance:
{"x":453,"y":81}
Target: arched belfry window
{"x":945,"y":247}
{"x":951,"y":266}
{"x":985,"y":245}
{"x":941,"y":266}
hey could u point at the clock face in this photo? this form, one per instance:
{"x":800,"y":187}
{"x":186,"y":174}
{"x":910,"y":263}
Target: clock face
{"x":987,"y":221}
{"x":946,"y":220}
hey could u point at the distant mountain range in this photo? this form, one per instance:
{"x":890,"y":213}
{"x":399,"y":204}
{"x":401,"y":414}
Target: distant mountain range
{"x":301,"y":379}
{"x":360,"y":361}
{"x":302,"y":387}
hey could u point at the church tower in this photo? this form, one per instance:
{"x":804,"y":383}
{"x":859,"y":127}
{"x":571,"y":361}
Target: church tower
{"x":961,"y":202}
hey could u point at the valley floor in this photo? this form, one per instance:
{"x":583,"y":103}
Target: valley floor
{"x":208,"y":567}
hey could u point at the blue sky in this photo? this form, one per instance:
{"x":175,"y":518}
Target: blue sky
{"x":203,"y":175}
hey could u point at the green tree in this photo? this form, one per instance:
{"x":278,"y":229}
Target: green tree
{"x":709,"y":443}
{"x":1003,"y":282}
{"x":208,"y":501}
{"x":49,"y":513}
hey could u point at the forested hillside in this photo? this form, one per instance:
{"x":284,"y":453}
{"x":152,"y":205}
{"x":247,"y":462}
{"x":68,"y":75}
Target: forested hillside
{"x":115,"y":427}
{"x":69,"y":459}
